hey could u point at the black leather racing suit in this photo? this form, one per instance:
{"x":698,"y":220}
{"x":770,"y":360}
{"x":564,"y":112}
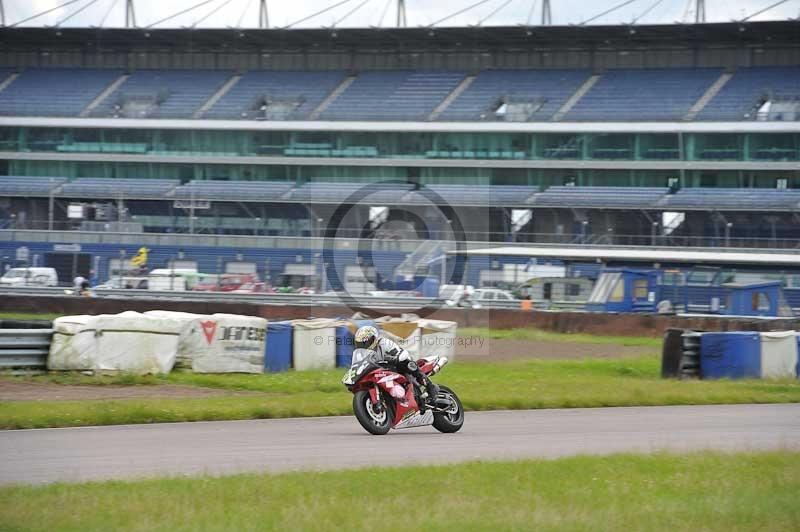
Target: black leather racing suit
{"x":400,"y":360}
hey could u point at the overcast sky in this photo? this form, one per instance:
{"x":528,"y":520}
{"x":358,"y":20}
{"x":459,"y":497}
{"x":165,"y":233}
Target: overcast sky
{"x":244,"y":13}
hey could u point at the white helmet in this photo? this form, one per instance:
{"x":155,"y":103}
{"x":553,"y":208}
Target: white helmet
{"x":367,"y":337}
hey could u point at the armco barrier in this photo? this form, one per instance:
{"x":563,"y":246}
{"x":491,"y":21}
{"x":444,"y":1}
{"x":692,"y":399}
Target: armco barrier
{"x":558,"y":321}
{"x":24,"y":349}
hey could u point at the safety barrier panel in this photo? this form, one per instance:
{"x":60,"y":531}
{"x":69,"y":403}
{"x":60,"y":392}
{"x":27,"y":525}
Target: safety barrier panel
{"x":24,"y":349}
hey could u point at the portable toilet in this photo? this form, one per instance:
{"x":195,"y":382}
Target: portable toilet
{"x":624,"y":290}
{"x":755,"y":299}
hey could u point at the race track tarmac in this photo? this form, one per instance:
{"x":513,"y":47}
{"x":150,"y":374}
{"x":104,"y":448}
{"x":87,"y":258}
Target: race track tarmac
{"x":225,"y":447}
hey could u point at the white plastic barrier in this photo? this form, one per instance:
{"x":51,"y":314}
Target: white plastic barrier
{"x":778,"y":354}
{"x":438,"y":337}
{"x":65,"y":354}
{"x":190,"y":339}
{"x":129,"y":342}
{"x":406,"y":333}
{"x":314,"y":343}
{"x":227,"y":343}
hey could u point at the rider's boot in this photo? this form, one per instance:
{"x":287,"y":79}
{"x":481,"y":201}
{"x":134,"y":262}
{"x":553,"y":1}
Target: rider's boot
{"x":428,"y":390}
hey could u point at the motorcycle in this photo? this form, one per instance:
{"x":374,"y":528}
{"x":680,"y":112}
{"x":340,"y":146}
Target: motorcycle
{"x":384,"y":399}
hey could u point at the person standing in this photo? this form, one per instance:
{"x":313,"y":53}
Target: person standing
{"x":77,"y":284}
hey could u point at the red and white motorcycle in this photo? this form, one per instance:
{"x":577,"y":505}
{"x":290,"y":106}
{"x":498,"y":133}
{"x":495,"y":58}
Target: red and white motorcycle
{"x":384,"y":399}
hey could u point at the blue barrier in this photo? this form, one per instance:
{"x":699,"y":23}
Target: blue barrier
{"x":734,"y":355}
{"x":345,"y":341}
{"x":278,"y":356}
{"x":797,"y":368}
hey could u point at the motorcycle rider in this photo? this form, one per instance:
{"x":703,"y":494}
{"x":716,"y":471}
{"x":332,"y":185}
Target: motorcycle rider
{"x":368,"y":337}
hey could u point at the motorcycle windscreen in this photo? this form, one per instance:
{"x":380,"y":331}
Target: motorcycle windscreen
{"x":363,"y":361}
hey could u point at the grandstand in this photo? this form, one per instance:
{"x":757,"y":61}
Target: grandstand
{"x":687,"y":135}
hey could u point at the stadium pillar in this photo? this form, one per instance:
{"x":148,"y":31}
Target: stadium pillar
{"x":700,"y":12}
{"x":130,"y":14}
{"x":401,"y":14}
{"x":50,"y":202}
{"x":547,"y":15}
{"x":263,"y":15}
{"x":2,"y":14}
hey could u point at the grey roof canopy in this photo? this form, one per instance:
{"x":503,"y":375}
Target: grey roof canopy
{"x":456,"y":39}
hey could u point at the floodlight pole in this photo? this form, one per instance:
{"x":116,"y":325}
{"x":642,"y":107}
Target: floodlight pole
{"x":700,"y":11}
{"x":547,"y":14}
{"x":130,"y":14}
{"x":263,"y":15}
{"x":402,"y":22}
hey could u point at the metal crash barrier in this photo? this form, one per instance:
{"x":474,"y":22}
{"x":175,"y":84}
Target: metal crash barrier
{"x":24,"y":349}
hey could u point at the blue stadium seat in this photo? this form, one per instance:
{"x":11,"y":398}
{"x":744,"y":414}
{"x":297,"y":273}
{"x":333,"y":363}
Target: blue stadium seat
{"x":600,"y":197}
{"x":735,"y":199}
{"x":474,"y":195}
{"x":233,"y":190}
{"x":393,"y":95}
{"x":740,"y":97}
{"x":179,"y":93}
{"x":54,"y":91}
{"x":111,"y":188}
{"x":29,"y":186}
{"x":310,"y":88}
{"x":551,"y":87}
{"x":374,"y":193}
{"x":644,"y":94}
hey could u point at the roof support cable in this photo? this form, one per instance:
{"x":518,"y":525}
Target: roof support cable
{"x":776,"y":4}
{"x":63,"y":20}
{"x":179,"y":13}
{"x":448,"y":17}
{"x":320,"y":12}
{"x":646,"y":11}
{"x":244,"y":12}
{"x":383,"y":13}
{"x":110,"y":9}
{"x":203,"y":18}
{"x":607,"y":11}
{"x":530,"y":13}
{"x":493,"y":13}
{"x":37,"y":15}
{"x":359,"y":6}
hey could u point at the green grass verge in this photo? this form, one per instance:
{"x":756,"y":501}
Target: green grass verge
{"x":705,"y":491}
{"x":28,"y":316}
{"x":481,"y":386}
{"x":547,"y":336}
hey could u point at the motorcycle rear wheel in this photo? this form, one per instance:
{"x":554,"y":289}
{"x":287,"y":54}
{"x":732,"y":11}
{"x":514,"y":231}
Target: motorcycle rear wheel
{"x":376,"y":421}
{"x":452,"y":420}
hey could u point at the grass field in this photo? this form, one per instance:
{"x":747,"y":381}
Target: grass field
{"x":481,"y":386}
{"x":706,"y":491}
{"x":27,"y":316}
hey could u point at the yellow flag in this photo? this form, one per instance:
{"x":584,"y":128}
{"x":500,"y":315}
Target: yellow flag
{"x":141,"y":258}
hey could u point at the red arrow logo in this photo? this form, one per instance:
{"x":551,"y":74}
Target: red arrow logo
{"x":209,"y":328}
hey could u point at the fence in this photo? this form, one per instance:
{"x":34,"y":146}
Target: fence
{"x":24,"y":349}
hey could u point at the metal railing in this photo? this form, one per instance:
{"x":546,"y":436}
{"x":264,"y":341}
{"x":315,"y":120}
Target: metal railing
{"x":24,"y":349}
{"x":388,"y":302}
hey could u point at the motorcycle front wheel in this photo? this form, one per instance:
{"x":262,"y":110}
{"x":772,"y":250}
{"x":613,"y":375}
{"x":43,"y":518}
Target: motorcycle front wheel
{"x":376,"y":419}
{"x":452,"y":419}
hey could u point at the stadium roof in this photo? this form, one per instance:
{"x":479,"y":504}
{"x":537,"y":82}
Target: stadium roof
{"x":642,"y":255}
{"x":422,"y":38}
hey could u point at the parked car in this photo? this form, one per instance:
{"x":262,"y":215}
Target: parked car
{"x":491,"y":294}
{"x":30,"y":277}
{"x":230,"y":282}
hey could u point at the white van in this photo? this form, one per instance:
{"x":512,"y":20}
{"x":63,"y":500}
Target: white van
{"x":30,"y":277}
